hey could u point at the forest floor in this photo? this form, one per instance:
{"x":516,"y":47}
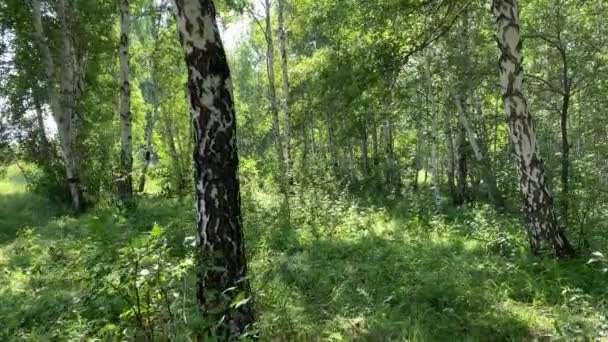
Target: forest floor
{"x":348,"y":267}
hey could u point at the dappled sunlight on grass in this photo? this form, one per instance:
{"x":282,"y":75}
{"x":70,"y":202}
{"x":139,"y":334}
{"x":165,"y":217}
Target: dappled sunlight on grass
{"x":348,"y":267}
{"x":374,"y":274}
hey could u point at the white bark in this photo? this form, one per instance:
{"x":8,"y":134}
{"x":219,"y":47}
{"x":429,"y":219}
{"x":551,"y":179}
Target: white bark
{"x":125,"y":187}
{"x":62,"y":92}
{"x":286,"y":87}
{"x":276,"y":126}
{"x":538,"y":200}
{"x":434,"y":139}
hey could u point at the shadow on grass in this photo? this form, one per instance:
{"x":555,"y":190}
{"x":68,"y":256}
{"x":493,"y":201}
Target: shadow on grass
{"x":19,"y":210}
{"x":381,"y":290}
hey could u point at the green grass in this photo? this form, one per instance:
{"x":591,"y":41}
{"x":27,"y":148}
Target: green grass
{"x":350,"y":267}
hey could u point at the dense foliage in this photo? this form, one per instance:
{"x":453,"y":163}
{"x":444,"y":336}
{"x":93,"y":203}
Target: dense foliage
{"x":381,"y":189}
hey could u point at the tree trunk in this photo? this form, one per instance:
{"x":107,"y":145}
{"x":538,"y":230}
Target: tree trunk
{"x":222,"y":265}
{"x":375,"y":155}
{"x":175,"y":157}
{"x":333,"y":151}
{"x":565,"y":174}
{"x":125,"y":181}
{"x":286,"y":88}
{"x":274,"y":109}
{"x":434,"y":140}
{"x":42,"y":138}
{"x":62,"y":100}
{"x":450,"y":156}
{"x":151,"y":119}
{"x":460,"y":158}
{"x":351,"y":161}
{"x":487,"y":173}
{"x":417,"y":159}
{"x":364,"y":149}
{"x":389,"y":167}
{"x":538,"y":201}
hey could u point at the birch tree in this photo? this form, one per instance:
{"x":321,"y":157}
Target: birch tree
{"x":487,"y":173}
{"x":434,"y":139}
{"x":286,"y":87}
{"x":125,"y":182}
{"x":538,"y":200}
{"x":274,"y":108}
{"x":63,"y":87}
{"x":222,"y":265}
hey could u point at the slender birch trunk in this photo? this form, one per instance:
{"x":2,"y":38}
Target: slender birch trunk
{"x":286,"y":88}
{"x":538,"y":201}
{"x":450,"y":156}
{"x":375,"y":155}
{"x":42,"y":138}
{"x":222,"y":264}
{"x":417,"y":159}
{"x":333,"y":151}
{"x":390,"y":166}
{"x":565,"y":174}
{"x":274,"y":109}
{"x":434,"y":140}
{"x":151,"y":119}
{"x":486,"y":168}
{"x":364,"y":149}
{"x":351,"y":161}
{"x":174,"y":155}
{"x":460,"y":158}
{"x":152,"y":97}
{"x":61,"y":93}
{"x":125,"y":181}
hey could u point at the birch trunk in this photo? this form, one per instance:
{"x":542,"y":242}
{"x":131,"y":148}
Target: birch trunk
{"x":486,"y":168}
{"x":391,"y":174}
{"x":151,"y":119}
{"x":42,"y":138}
{"x":274,"y":109}
{"x":538,"y":201}
{"x":333,"y":151}
{"x":417,"y":159}
{"x":351,"y":161}
{"x":565,"y":174}
{"x":450,"y":157}
{"x":222,"y":264}
{"x":364,"y":149}
{"x":174,"y":155}
{"x":375,"y":154}
{"x":462,"y":171}
{"x":125,"y":181}
{"x":434,"y":139}
{"x":286,"y":87}
{"x":61,"y":93}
